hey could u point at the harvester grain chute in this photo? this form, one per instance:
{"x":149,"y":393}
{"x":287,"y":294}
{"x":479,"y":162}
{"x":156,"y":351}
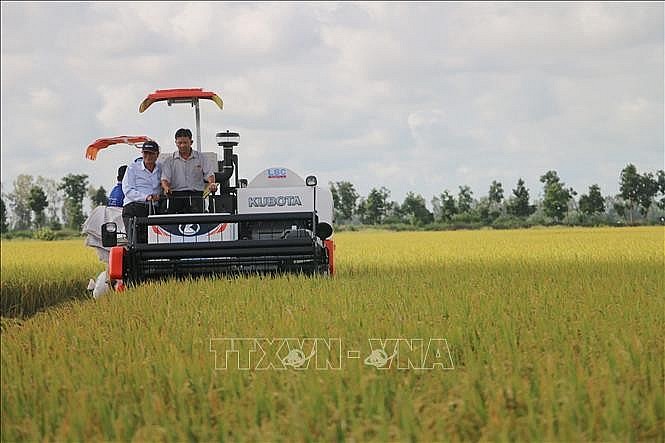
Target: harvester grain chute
{"x":278,"y":222}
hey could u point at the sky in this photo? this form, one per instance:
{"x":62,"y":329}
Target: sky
{"x":415,"y":97}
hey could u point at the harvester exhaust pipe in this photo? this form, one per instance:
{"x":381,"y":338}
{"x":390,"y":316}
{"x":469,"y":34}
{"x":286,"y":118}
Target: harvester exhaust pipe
{"x":227,"y":140}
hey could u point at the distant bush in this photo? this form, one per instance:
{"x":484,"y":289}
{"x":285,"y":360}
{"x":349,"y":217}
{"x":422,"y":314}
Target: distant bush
{"x":17,"y":234}
{"x":504,"y":221}
{"x":510,"y":222}
{"x":595,"y":220}
{"x":574,"y":218}
{"x":403,"y":227}
{"x":465,"y":219}
{"x":65,"y":234}
{"x":44,"y":234}
{"x":539,"y":218}
{"x":55,"y":225}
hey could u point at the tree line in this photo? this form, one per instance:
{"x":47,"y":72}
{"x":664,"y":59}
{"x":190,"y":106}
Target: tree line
{"x":641,"y":200}
{"x":46,"y":204}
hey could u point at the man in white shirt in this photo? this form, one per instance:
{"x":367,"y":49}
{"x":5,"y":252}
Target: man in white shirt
{"x":141,"y":186}
{"x":184,"y":175}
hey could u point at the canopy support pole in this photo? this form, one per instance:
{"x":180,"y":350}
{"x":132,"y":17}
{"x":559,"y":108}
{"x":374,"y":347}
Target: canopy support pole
{"x":198,"y":124}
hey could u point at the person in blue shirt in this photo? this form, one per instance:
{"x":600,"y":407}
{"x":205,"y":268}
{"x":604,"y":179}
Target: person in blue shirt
{"x":142,"y":189}
{"x":116,"y":197}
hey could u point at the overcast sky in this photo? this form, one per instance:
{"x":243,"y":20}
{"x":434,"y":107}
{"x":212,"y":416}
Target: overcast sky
{"x":412,"y":96}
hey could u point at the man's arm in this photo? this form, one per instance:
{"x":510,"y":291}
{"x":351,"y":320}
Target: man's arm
{"x":209,"y":174}
{"x":166,"y":176}
{"x":129,"y":187}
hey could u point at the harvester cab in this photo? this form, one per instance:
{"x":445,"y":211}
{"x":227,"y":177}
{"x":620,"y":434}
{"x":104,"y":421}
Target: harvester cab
{"x":277,"y":222}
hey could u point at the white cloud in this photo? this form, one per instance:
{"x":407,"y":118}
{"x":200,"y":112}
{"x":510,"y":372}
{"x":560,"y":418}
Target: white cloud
{"x":195,"y":23}
{"x":45,"y":100}
{"x":634,"y":110}
{"x":115,"y":110}
{"x":413,"y":96}
{"x":252,"y":31}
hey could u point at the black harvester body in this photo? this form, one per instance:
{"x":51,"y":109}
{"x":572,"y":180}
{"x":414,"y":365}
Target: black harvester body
{"x":267,"y":243}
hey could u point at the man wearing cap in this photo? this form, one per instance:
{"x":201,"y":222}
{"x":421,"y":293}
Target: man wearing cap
{"x":141,"y":187}
{"x":184,"y":174}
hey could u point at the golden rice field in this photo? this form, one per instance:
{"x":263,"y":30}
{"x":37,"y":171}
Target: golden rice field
{"x":554,"y":335}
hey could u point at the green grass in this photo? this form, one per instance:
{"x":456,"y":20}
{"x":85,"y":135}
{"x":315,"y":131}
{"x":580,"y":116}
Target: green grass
{"x":556,"y":334}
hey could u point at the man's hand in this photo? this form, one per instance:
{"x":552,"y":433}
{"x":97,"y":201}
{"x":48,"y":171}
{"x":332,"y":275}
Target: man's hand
{"x":212,"y":186}
{"x":209,"y":189}
{"x":166,"y":186}
{"x":152,"y":197}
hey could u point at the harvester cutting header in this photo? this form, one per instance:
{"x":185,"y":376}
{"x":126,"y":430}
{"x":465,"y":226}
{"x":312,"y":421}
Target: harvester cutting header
{"x":277,"y":222}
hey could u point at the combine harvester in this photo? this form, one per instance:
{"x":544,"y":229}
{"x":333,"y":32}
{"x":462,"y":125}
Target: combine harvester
{"x":275,"y":223}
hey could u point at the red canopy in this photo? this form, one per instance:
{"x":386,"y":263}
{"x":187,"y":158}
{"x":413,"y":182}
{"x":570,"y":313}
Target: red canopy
{"x":180,"y":96}
{"x":102,"y":143}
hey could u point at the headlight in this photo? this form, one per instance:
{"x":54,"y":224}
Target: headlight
{"x":111,"y":227}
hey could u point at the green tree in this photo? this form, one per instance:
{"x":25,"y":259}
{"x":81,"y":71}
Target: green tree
{"x":464,"y":200}
{"x":436,"y":207}
{"x":486,"y":211}
{"x":518,"y":205}
{"x":3,"y":216}
{"x":629,"y":189}
{"x":620,"y":208}
{"x":661,"y":188}
{"x":495,"y":193}
{"x":448,"y":206}
{"x":555,"y":201}
{"x":37,"y":202}
{"x":54,"y":197}
{"x":394,"y":213}
{"x":344,"y":200}
{"x":415,"y":209}
{"x":489,"y":209}
{"x":98,"y":196}
{"x":376,"y":205}
{"x":611,"y":212}
{"x":593,"y":202}
{"x":360,"y":209}
{"x":74,"y":186}
{"x":19,"y":201}
{"x":336,"y":201}
{"x":647,"y":190}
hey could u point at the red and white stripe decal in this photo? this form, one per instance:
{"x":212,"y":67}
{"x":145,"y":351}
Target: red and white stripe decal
{"x":159,"y":231}
{"x":218,"y":229}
